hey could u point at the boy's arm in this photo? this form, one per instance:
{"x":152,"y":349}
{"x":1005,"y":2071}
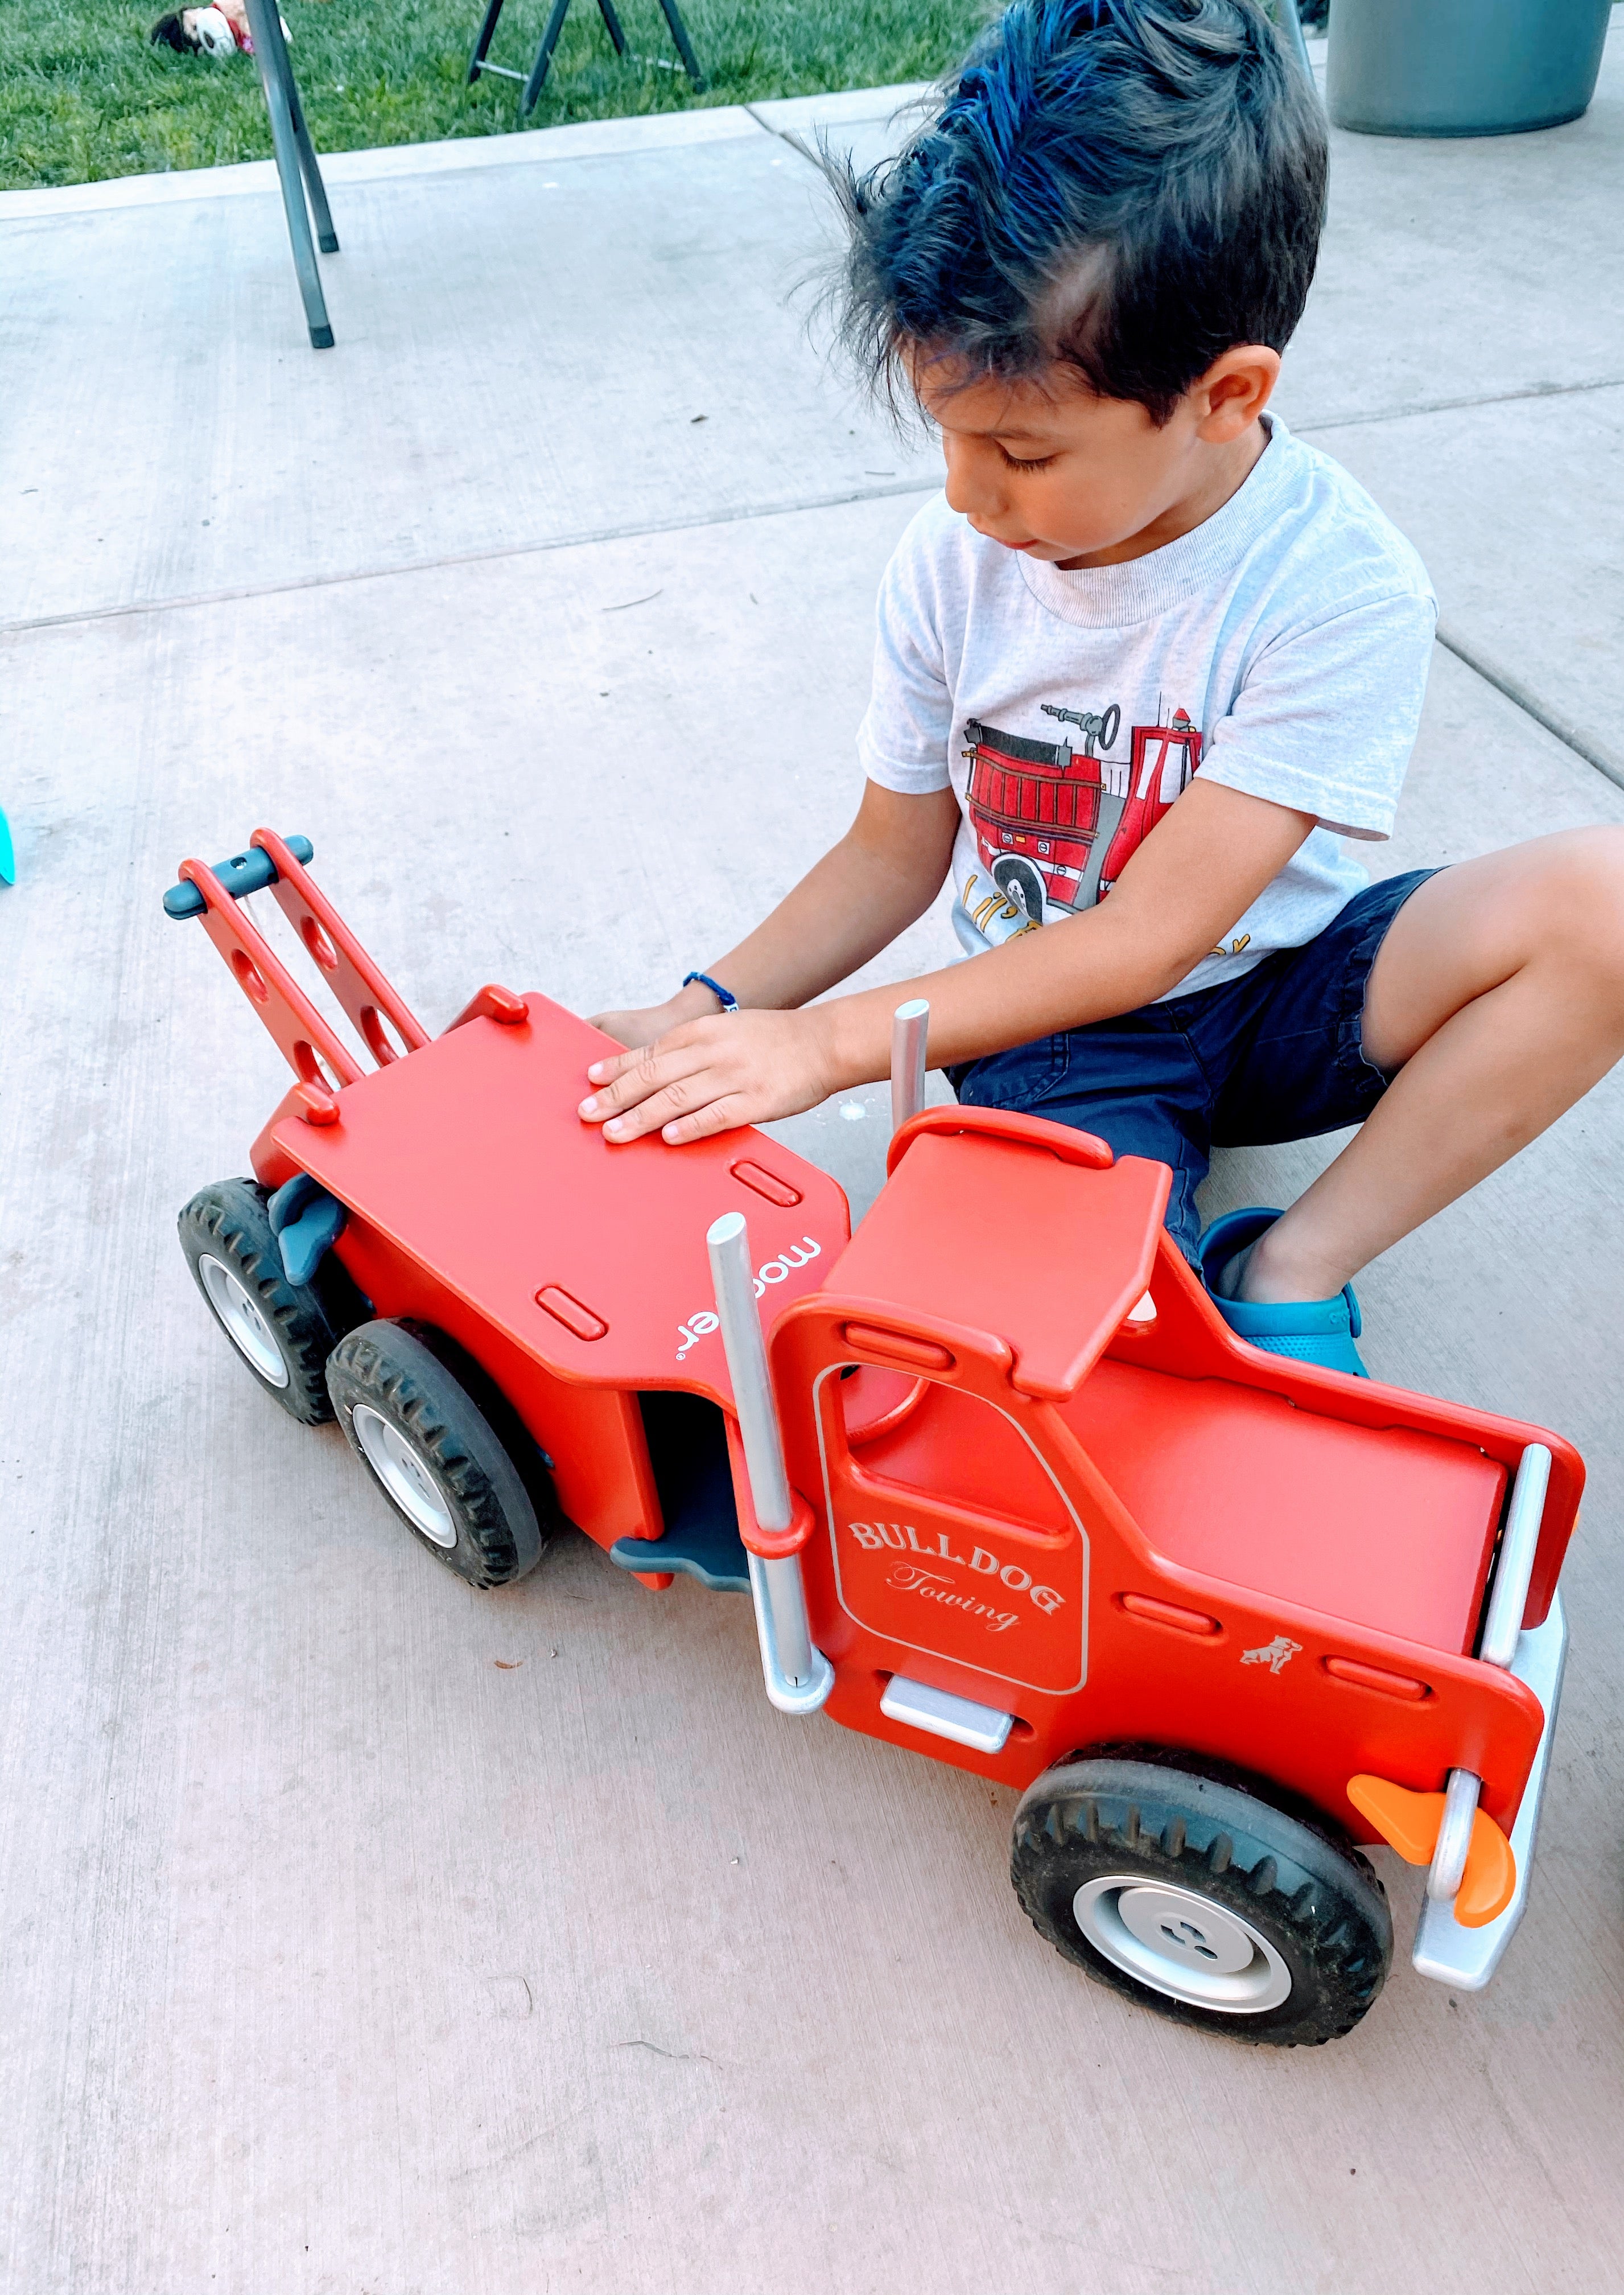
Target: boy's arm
{"x":880,"y":878}
{"x":1201,"y":867}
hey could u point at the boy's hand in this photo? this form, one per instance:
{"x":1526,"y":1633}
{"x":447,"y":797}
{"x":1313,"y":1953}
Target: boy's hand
{"x":646,"y":1027}
{"x":710,"y":1075}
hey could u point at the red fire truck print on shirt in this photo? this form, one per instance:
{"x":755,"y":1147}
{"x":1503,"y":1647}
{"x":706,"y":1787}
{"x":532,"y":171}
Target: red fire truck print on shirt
{"x":1056,"y":824}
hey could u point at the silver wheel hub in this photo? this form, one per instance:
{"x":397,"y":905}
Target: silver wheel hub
{"x":1182,"y":1944}
{"x":242,"y":1320}
{"x":405,"y":1474}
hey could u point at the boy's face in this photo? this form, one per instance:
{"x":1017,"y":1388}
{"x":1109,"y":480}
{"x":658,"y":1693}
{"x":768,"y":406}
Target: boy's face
{"x":1047,"y":468}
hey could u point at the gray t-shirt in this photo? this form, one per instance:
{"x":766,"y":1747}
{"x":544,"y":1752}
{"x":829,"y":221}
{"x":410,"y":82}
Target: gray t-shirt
{"x":1281,"y":649}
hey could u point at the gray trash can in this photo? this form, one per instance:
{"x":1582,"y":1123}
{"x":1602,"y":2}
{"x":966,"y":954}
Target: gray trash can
{"x":1462,"y":67}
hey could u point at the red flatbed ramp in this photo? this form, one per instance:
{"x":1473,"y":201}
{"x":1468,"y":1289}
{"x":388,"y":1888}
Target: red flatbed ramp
{"x":470,"y":1157}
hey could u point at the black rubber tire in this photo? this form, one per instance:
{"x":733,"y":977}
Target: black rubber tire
{"x":1199,"y":1827}
{"x":498,"y":1492}
{"x":230,"y":1222}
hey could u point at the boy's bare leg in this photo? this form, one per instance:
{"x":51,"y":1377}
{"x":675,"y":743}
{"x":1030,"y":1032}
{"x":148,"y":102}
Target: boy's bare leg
{"x":1498,"y":997}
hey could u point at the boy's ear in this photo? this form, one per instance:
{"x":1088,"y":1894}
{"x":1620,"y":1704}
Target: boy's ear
{"x":1234,"y":391}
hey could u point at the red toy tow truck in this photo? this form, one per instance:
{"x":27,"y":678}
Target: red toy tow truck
{"x":1004,"y":1488}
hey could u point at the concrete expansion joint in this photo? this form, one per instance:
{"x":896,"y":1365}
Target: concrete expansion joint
{"x":798,"y":144}
{"x":1456,"y":406}
{"x":1608,"y":761}
{"x":583,"y":538}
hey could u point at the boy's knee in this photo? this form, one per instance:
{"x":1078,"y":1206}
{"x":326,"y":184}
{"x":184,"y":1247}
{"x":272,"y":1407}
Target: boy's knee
{"x":1581,"y":904}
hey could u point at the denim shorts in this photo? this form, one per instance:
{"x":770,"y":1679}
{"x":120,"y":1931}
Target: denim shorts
{"x":1275,"y":1054}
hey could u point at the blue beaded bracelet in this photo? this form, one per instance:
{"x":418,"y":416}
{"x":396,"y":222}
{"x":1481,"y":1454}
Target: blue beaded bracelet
{"x":724,"y":996}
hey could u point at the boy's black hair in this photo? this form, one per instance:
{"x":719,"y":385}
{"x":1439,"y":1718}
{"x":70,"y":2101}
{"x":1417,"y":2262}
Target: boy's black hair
{"x":1127,"y":187}
{"x":170,"y":32}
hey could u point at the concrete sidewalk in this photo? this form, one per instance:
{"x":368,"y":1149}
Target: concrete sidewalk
{"x":366,"y":1934}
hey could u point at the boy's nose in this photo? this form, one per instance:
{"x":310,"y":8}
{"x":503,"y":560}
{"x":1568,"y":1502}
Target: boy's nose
{"x":971,"y":487}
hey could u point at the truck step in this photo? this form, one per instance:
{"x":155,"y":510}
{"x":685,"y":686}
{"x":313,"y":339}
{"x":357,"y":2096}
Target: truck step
{"x":687,"y":1449}
{"x":712,"y":1552}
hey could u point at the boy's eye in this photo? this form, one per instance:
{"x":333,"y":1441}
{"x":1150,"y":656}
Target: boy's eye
{"x":1037,"y":462}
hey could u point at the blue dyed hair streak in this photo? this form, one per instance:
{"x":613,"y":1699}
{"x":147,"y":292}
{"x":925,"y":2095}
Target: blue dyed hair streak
{"x":1125,"y":188}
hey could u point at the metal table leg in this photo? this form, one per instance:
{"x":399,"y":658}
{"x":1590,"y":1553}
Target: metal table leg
{"x":684,"y":46}
{"x":316,"y":189}
{"x":296,"y":164}
{"x":487,"y":32}
{"x":540,"y":69}
{"x":543,"y":58}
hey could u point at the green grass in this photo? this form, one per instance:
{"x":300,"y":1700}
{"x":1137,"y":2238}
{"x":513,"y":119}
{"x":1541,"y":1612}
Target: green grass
{"x":84,"y":95}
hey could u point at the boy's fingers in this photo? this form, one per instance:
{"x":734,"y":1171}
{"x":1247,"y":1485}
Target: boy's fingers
{"x":618,"y":1066}
{"x":640,"y":1075}
{"x":724,"y":1115}
{"x":660,"y":1108}
{"x":606,"y":1071}
{"x":679,"y":1116}
{"x":705,"y":1077}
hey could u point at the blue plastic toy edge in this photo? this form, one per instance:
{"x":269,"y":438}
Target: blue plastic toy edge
{"x":307,"y":1222}
{"x":245,"y":872}
{"x":660,"y":1553}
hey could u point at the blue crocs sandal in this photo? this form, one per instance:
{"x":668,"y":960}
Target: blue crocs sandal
{"x":1308,"y":1330}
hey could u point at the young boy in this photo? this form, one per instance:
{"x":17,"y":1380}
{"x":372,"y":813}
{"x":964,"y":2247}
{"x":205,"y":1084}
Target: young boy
{"x":1139,"y":668}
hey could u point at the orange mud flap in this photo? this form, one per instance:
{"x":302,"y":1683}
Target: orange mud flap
{"x":1477,"y":1881}
{"x":1474,"y":1868}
